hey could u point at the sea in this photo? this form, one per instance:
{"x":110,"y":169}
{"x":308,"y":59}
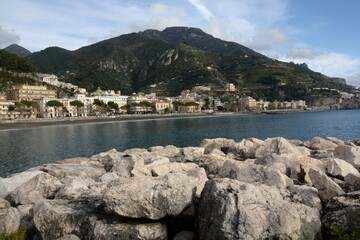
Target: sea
{"x":21,"y":149}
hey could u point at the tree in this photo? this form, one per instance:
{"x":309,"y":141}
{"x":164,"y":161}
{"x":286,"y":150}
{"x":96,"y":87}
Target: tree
{"x":78,"y":104}
{"x":54,"y":103}
{"x":113,"y":105}
{"x":11,"y":108}
{"x":148,"y":105}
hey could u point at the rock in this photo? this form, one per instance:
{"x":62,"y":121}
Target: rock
{"x":342,"y":212}
{"x":121,"y":164}
{"x":217,"y":152}
{"x":306,"y":195}
{"x":230,"y":209}
{"x":105,"y":156}
{"x":295,"y":142}
{"x":318,"y":143}
{"x":184,"y":235}
{"x":108,"y":228}
{"x":327,"y":188}
{"x":274,"y":147}
{"x":167,"y":151}
{"x":254,"y":174}
{"x":191,"y":153}
{"x":163,"y":169}
{"x":217,"y":143}
{"x":69,"y":237}
{"x":339,"y":168}
{"x":26,"y":216}
{"x":152,"y":198}
{"x":9,"y":219}
{"x":211,"y":163}
{"x":335,"y":140}
{"x":108,"y":177}
{"x":56,"y":218}
{"x":348,"y":153}
{"x":9,"y":184}
{"x":352,"y":182}
{"x":81,"y":161}
{"x":244,"y":149}
{"x":322,"y":154}
{"x":65,"y":172}
{"x":140,"y":170}
{"x":41,"y":186}
{"x":4,"y":204}
{"x":158,"y":160}
{"x":81,"y":189}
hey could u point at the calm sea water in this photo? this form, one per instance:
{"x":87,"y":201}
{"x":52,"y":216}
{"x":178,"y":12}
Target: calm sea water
{"x":25,"y":148}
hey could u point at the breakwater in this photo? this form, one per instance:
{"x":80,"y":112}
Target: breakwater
{"x":222,"y":189}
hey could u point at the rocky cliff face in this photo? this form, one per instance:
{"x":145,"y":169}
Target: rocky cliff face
{"x":252,"y":189}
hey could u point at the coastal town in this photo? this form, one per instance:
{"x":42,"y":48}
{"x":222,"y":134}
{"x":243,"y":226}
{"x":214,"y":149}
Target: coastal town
{"x":43,"y":101}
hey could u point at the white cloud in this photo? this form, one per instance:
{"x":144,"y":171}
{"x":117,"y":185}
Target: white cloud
{"x":353,"y":79}
{"x":332,"y":64}
{"x":267,"y":40}
{"x":203,"y":10}
{"x":8,"y":37}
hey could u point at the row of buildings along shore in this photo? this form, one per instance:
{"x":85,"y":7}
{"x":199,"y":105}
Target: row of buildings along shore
{"x":38,"y":101}
{"x":30,"y":101}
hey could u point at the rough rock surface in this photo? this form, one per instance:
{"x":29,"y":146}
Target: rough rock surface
{"x":231,"y":209}
{"x":251,"y":189}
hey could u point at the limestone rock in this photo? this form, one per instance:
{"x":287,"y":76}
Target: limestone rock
{"x":140,"y":170}
{"x":184,"y":235}
{"x":121,"y":164}
{"x":191,"y":153}
{"x":327,"y":188}
{"x":350,"y":154}
{"x":81,"y":161}
{"x":4,"y":204}
{"x":244,"y":149}
{"x":152,"y":198}
{"x":167,"y":151}
{"x":65,"y":172}
{"x":321,"y":154}
{"x":9,"y":184}
{"x":216,"y":143}
{"x":230,"y":209}
{"x":306,"y":195}
{"x":69,"y":237}
{"x":318,"y":143}
{"x":352,"y":182}
{"x":26,"y":216}
{"x":41,"y":186}
{"x":107,"y":228}
{"x":56,"y":218}
{"x":342,"y":211}
{"x":339,"y":168}
{"x":9,"y":219}
{"x":81,"y":189}
{"x":254,"y":174}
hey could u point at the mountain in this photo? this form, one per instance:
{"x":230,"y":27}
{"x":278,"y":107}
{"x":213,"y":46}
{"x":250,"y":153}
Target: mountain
{"x":14,"y":70}
{"x":176,"y":58}
{"x":17,"y":50}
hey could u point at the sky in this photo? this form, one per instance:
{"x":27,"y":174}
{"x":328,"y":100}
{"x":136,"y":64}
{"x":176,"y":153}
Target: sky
{"x":321,"y":33}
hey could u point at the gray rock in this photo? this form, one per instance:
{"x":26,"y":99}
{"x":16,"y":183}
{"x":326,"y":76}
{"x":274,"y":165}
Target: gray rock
{"x":343,"y":212}
{"x":121,"y":164}
{"x":81,"y":189}
{"x":41,"y":186}
{"x":318,"y":143}
{"x":348,"y":153}
{"x":69,"y":237}
{"x":352,"y":182}
{"x":339,"y":168}
{"x":322,"y":154}
{"x":9,"y":220}
{"x":327,"y":188}
{"x":26,"y":216}
{"x":66,"y":172}
{"x":4,"y":204}
{"x":230,"y":209}
{"x":152,"y":198}
{"x":56,"y":218}
{"x":191,"y":153}
{"x":107,"y":228}
{"x":306,"y":195}
{"x":244,"y":149}
{"x":254,"y":174}
{"x":217,"y":143}
{"x":9,"y":184}
{"x":184,"y":235}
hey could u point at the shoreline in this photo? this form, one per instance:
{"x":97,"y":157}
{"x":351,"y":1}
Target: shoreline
{"x":36,"y":123}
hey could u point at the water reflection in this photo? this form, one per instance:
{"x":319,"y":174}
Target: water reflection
{"x":21,"y":149}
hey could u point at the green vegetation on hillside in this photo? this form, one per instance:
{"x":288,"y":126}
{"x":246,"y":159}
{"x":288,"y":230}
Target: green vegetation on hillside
{"x":11,"y":62}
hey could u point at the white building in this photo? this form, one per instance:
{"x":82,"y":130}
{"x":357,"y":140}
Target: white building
{"x":54,"y":112}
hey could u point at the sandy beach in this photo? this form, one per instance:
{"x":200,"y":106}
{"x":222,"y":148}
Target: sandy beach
{"x":33,"y":123}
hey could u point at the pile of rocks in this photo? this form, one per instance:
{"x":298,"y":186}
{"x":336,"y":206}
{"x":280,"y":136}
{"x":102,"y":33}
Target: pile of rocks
{"x":252,"y":189}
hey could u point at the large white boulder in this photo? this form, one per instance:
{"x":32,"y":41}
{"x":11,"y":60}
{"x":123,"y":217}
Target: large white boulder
{"x":351,"y":154}
{"x":230,"y":209}
{"x":216,"y":143}
{"x":12,"y":182}
{"x":318,"y":143}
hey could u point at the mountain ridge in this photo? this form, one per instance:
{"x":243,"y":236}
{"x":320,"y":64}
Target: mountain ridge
{"x":17,"y":50}
{"x":178,"y":58}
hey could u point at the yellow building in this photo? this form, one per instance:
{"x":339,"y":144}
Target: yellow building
{"x":29,"y":92}
{"x":160,"y":106}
